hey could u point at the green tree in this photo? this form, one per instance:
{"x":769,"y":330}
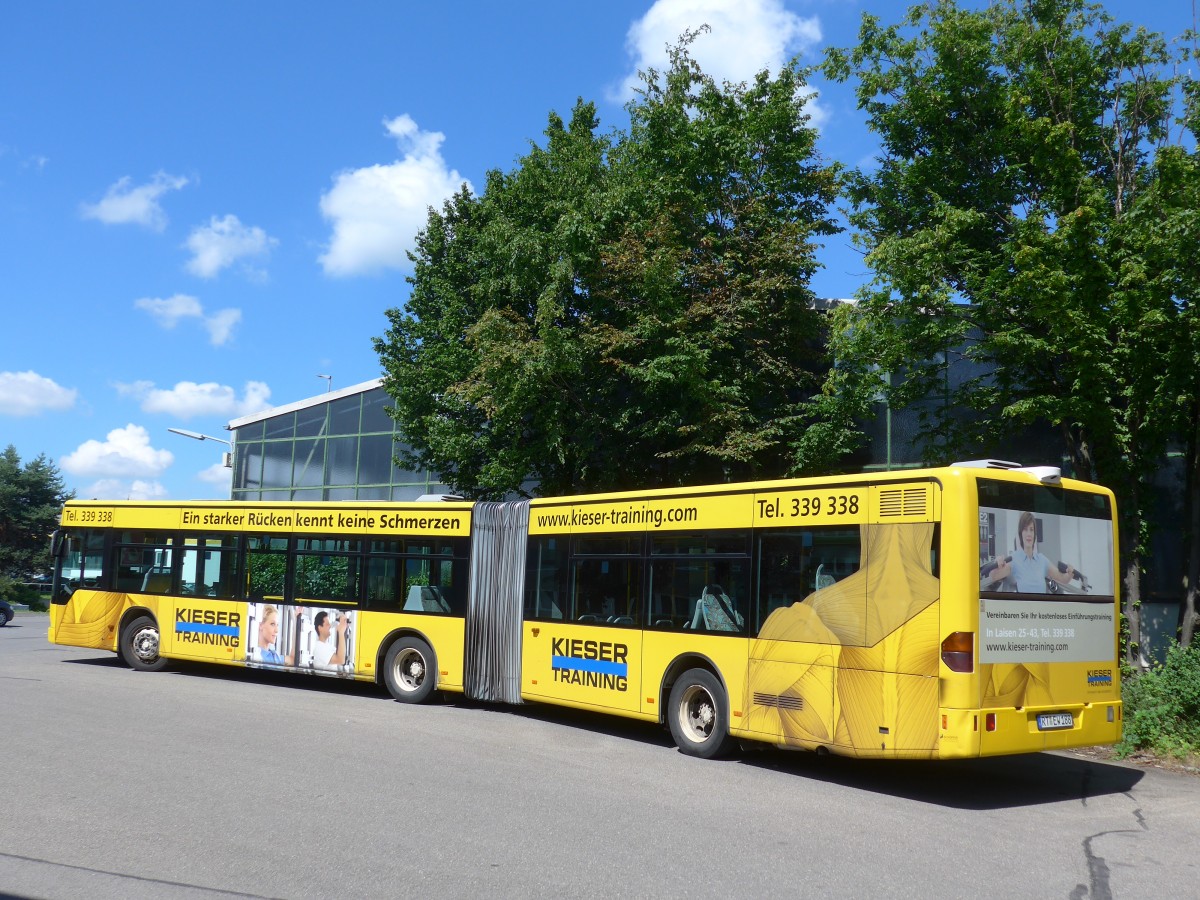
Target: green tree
{"x":1010,"y":220}
{"x":623,"y":309}
{"x":31,"y":498}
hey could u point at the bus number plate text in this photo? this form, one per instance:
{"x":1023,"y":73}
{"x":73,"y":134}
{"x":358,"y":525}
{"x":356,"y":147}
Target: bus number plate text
{"x":1055,"y":721}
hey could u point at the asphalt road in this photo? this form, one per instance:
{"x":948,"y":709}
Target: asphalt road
{"x":203,"y":782}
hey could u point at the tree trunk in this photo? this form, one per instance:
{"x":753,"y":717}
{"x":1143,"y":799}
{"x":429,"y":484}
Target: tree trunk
{"x":1131,"y":581}
{"x":1132,"y":610}
{"x":1187,"y":610}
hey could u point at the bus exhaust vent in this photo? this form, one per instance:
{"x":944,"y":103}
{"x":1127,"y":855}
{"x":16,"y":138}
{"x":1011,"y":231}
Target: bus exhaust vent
{"x":902,"y":502}
{"x":778,"y":701}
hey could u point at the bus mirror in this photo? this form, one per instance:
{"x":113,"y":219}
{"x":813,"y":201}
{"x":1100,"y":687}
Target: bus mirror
{"x":56,"y":544}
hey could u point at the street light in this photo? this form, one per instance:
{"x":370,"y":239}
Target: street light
{"x":197,"y":436}
{"x":328,"y":382}
{"x":226,"y":457}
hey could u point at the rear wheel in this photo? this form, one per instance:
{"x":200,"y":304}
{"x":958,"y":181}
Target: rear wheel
{"x":698,"y":713}
{"x":139,"y":645}
{"x":410,"y":670}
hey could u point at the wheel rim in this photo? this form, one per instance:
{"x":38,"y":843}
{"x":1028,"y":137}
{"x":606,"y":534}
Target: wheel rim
{"x":410,"y":670}
{"x":145,"y":643}
{"x":697,"y":714}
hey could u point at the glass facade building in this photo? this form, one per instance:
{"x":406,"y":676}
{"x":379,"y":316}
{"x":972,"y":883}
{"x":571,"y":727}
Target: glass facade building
{"x":336,"y":446}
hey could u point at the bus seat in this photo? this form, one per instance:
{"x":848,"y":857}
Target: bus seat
{"x":156,"y":583}
{"x":622,"y":620}
{"x":412,"y":603}
{"x":433,"y":601}
{"x":716,"y":612}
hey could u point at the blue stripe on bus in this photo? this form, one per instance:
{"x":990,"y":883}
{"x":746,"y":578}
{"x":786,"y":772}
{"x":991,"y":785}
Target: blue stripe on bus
{"x":206,"y":629}
{"x":589,"y":665}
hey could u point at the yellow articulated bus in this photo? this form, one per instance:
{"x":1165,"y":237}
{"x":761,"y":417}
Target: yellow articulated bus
{"x":929,"y":614}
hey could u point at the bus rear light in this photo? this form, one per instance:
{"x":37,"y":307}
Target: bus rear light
{"x":958,"y":651}
{"x":1111,"y":715}
{"x":989,"y":721}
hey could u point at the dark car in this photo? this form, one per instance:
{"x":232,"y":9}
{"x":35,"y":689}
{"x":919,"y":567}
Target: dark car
{"x":6,"y":613}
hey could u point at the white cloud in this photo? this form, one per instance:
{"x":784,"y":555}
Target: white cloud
{"x":124,"y":204}
{"x":188,"y":399}
{"x":125,"y":453}
{"x":118,"y":489}
{"x":220,"y":325}
{"x":377,"y":211}
{"x":222,"y":242}
{"x":29,"y":394}
{"x":219,"y":476}
{"x":747,"y":36}
{"x":171,"y":311}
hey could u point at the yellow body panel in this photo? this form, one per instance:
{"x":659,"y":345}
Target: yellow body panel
{"x":443,"y":633}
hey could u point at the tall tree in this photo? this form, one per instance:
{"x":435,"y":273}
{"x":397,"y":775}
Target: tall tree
{"x":1005,"y":223}
{"x":31,"y":497}
{"x":623,"y":309}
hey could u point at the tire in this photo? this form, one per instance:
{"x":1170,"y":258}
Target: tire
{"x":410,"y":670}
{"x":5,"y":615}
{"x":698,"y":713}
{"x":139,"y":645}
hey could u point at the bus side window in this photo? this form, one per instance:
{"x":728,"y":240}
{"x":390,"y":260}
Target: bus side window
{"x":546,"y":571}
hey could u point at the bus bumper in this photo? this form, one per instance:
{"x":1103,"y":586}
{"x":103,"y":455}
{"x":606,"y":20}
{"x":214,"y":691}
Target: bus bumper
{"x":996,"y":732}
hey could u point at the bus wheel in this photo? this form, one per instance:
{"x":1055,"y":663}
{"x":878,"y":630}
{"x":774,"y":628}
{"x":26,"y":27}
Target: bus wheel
{"x":698,"y":716}
{"x":410,"y":670}
{"x":139,"y":645}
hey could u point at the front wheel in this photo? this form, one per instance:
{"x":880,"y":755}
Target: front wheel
{"x":139,"y":645}
{"x":410,"y":670}
{"x":698,"y":713}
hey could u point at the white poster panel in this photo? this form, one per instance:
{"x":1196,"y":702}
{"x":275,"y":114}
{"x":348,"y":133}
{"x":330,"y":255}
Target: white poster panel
{"x":1026,"y":631}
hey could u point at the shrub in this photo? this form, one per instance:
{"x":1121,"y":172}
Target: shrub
{"x":15,"y":592}
{"x":1162,"y":706}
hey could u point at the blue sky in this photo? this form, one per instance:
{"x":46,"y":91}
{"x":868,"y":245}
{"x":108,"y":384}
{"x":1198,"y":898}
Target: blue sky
{"x":204,"y":206}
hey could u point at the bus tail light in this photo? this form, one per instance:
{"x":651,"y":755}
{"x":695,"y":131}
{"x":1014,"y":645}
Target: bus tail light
{"x":958,"y":651}
{"x":989,"y":721}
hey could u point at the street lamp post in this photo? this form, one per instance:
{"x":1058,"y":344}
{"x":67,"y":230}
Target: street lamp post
{"x":226,"y":457}
{"x":197,"y":436}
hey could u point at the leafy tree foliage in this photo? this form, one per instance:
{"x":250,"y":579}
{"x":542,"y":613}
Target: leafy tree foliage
{"x":1031,"y":212}
{"x":31,"y":498}
{"x":623,"y":309}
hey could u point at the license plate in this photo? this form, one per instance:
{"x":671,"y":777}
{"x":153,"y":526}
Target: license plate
{"x":1054,"y":721}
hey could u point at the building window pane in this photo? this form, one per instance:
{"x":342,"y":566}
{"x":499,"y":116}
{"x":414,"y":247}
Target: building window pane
{"x":405,"y":476}
{"x":309,"y":470}
{"x":311,"y":422}
{"x":283,"y":426}
{"x":374,"y":417}
{"x":339,"y":493}
{"x":277,"y":465}
{"x":374,"y":493}
{"x":343,"y":457}
{"x":408,"y":492}
{"x":375,"y":459}
{"x":248,"y":467}
{"x":251,"y":432}
{"x":343,"y":415}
